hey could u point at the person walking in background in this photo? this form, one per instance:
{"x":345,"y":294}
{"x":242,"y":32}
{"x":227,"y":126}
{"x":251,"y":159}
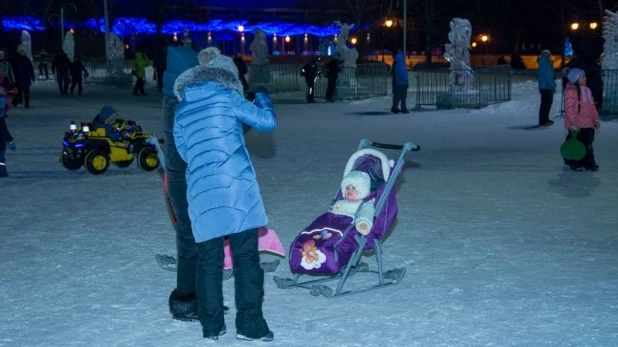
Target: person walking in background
{"x":400,"y":84}
{"x":208,"y":129}
{"x":43,"y":64}
{"x":581,"y":116}
{"x":6,"y":71}
{"x":139,"y":66}
{"x":547,"y":87}
{"x":332,"y":69}
{"x":78,"y":72}
{"x":5,"y":135}
{"x":310,"y":72}
{"x":160,"y":65}
{"x":60,"y":66}
{"x":242,"y":71}
{"x":24,"y":77}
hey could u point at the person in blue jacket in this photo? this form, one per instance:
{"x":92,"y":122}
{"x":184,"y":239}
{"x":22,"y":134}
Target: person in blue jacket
{"x":5,"y":135}
{"x":400,"y":84}
{"x":182,"y":301}
{"x":547,"y":87}
{"x":222,"y":190}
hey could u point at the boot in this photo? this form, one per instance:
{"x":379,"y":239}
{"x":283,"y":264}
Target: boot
{"x":183,"y":307}
{"x":395,"y":110}
{"x":3,"y":172}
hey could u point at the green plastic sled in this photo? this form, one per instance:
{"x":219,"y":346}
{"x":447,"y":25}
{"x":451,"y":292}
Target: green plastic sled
{"x":572,"y":148}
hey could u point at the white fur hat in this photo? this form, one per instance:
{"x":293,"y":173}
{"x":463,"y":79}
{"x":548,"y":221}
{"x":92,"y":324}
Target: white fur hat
{"x":211,"y":57}
{"x":360,"y":180}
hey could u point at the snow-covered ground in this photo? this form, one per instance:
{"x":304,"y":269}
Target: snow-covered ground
{"x":502,"y":248}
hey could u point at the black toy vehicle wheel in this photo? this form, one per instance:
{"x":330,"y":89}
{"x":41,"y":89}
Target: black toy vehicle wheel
{"x":124,"y":163}
{"x":70,"y":163}
{"x":96,"y":162}
{"x":147,"y":159}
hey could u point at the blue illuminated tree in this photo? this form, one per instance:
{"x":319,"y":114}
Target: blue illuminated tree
{"x":568,"y":48}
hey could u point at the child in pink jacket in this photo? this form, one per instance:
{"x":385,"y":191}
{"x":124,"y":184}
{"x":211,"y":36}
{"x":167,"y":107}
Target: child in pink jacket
{"x":582,"y":116}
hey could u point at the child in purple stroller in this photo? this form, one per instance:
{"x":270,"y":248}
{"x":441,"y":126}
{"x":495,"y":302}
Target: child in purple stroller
{"x":362,"y":213}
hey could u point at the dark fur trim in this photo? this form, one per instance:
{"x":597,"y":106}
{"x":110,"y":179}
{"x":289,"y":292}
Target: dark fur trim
{"x":182,"y":305}
{"x":201,"y":74}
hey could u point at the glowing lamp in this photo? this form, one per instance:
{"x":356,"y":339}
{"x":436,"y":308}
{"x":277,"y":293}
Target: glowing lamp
{"x":72,"y":31}
{"x":287,"y":39}
{"x":473,"y":44}
{"x":484,"y":38}
{"x":353,"y":40}
{"x":126,"y":46}
{"x":593,"y":25}
{"x":241,"y":28}
{"x":574,"y":26}
{"x":388,"y":23}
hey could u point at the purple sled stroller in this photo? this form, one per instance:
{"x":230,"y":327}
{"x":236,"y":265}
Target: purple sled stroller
{"x":330,"y":248}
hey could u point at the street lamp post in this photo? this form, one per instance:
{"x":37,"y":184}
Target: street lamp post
{"x":485,"y":39}
{"x":106,"y":19}
{"x":62,"y":19}
{"x":387,"y":23}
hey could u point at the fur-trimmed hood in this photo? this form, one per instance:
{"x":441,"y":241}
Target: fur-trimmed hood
{"x":203,"y":74}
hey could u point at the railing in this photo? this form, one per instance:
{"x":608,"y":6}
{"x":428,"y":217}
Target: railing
{"x":285,"y":81}
{"x":282,"y":80}
{"x":113,"y":72}
{"x":610,"y":92}
{"x":445,"y":88}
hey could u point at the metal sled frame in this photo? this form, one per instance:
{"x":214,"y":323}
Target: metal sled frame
{"x":354,"y":266}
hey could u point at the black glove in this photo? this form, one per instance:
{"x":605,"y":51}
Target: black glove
{"x":261,"y":89}
{"x":250,"y":96}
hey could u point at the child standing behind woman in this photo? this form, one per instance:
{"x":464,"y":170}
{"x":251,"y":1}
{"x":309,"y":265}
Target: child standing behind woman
{"x":581,"y":115}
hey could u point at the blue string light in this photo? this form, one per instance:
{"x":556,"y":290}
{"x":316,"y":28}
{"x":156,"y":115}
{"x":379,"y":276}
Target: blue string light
{"x":130,"y":25}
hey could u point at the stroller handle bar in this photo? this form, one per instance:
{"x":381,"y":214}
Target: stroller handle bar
{"x":408,"y":146}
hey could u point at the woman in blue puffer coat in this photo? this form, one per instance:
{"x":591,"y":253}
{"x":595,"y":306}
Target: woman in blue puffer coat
{"x":222,"y":191}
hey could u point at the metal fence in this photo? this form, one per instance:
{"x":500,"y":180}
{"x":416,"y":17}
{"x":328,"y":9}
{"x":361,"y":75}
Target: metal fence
{"x":610,"y":92}
{"x":285,"y":81}
{"x":113,"y":72}
{"x":446,"y":89}
{"x":282,"y":80}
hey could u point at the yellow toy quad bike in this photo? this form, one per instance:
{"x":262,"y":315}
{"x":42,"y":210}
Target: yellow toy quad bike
{"x":107,"y":140}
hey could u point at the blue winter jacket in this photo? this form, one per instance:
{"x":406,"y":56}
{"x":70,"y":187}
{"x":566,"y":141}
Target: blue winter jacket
{"x":179,"y":59}
{"x":545,"y":74}
{"x":400,"y":72}
{"x":222,"y":190}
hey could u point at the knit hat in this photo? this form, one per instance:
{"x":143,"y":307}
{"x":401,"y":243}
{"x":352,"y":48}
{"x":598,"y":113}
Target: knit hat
{"x":546,"y":53}
{"x":575,"y":74}
{"x":212,"y":58}
{"x":360,"y":180}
